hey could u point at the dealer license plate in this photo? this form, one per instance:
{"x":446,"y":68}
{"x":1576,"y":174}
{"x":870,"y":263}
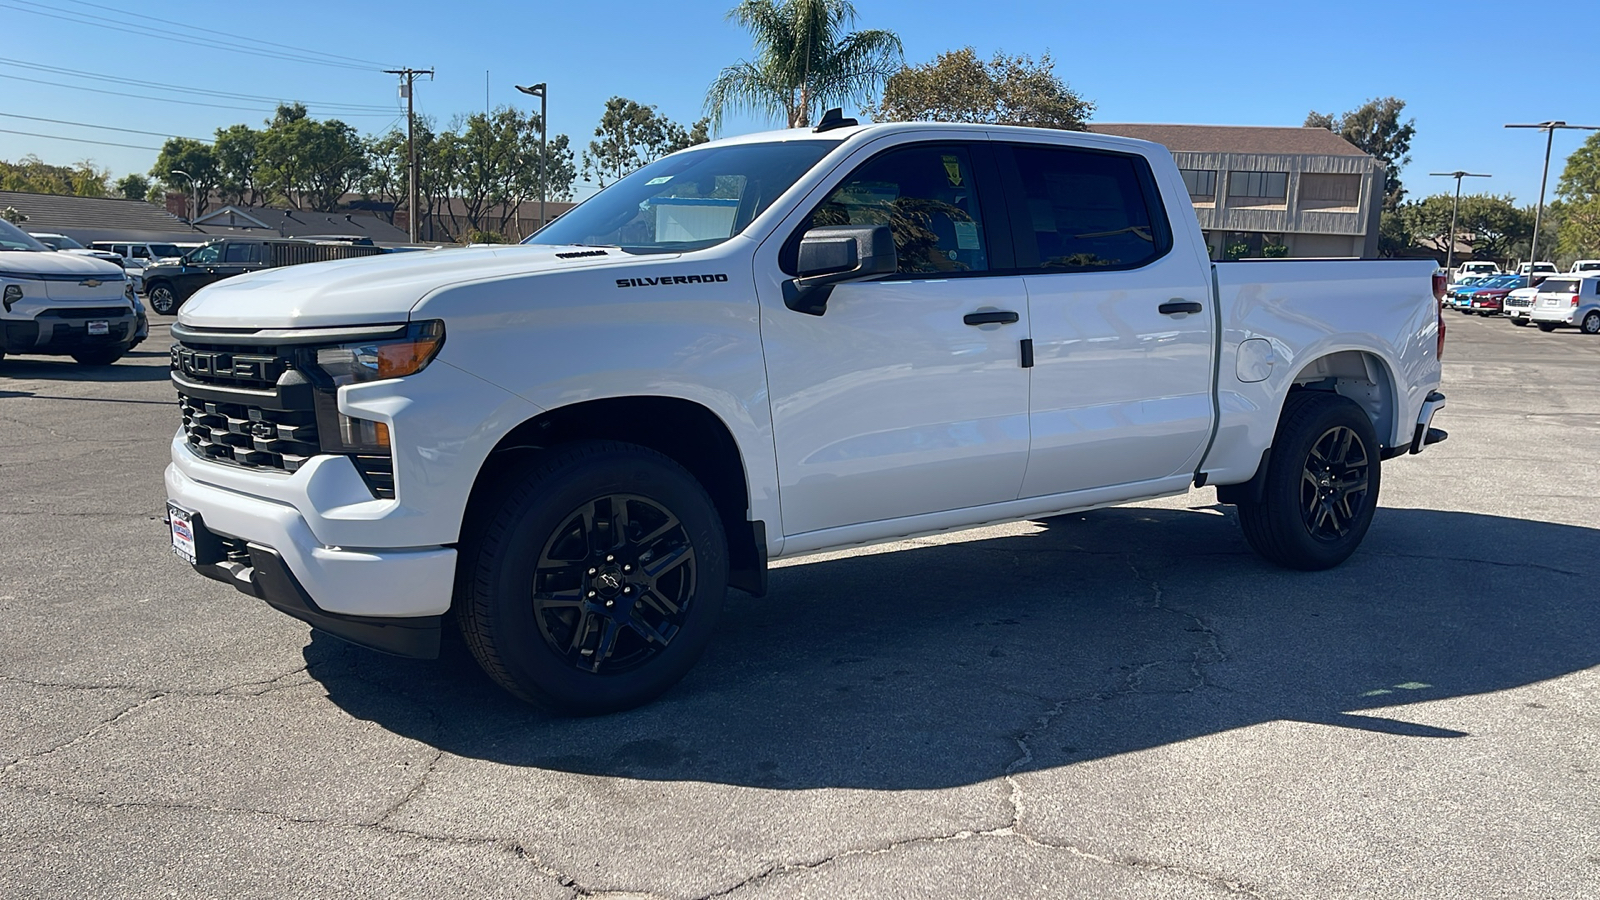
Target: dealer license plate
{"x":182,"y":522}
{"x":99,"y":327}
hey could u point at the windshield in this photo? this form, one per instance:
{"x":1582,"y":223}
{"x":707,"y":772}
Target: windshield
{"x":13,"y":238}
{"x":206,"y":255}
{"x":687,"y":201}
{"x":59,"y":242}
{"x":1586,"y":266}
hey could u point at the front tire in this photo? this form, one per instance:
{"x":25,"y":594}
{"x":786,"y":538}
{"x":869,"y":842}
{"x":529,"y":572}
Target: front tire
{"x":1321,"y":486}
{"x":163,"y":299}
{"x":1520,"y":323}
{"x":595,"y":582}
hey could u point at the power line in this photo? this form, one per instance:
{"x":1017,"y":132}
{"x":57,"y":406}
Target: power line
{"x":235,"y":37}
{"x":57,"y":137}
{"x":103,"y":127}
{"x":124,"y":28}
{"x":92,"y":90}
{"x":78,"y":73}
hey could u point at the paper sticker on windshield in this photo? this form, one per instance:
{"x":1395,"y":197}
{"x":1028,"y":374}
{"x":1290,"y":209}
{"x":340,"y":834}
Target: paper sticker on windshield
{"x":952,"y":169}
{"x":662,"y":180}
{"x":966,"y":235}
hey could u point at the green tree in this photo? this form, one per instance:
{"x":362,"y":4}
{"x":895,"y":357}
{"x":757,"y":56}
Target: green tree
{"x":496,"y":166}
{"x":1493,"y":226}
{"x":1394,"y":235}
{"x":805,"y":62}
{"x":1376,"y":128}
{"x":630,"y":135}
{"x":957,"y":86}
{"x":1580,"y":229}
{"x":133,"y":187}
{"x":237,"y":151}
{"x":307,"y":163}
{"x":191,"y":157}
{"x":1580,"y":177}
{"x":35,"y":176}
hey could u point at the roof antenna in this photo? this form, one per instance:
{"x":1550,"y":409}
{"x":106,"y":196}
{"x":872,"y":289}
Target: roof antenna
{"x":834,"y":118}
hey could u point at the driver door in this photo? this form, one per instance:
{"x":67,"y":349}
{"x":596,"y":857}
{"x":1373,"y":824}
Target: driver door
{"x":900,"y":400}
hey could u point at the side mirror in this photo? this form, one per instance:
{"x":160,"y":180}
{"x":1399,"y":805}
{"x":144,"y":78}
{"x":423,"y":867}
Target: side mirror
{"x":835,"y":254}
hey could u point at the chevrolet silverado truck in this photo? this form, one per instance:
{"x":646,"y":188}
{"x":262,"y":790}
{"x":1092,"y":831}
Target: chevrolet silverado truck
{"x":767,"y":346}
{"x":64,"y":304}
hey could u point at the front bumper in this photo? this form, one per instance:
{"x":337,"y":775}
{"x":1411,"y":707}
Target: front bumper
{"x":55,"y":335}
{"x":335,"y":580}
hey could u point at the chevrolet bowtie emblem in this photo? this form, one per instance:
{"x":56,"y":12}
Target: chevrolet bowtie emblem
{"x":90,"y":283}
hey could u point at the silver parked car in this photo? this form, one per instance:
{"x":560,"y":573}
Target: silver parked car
{"x":1566,"y":301}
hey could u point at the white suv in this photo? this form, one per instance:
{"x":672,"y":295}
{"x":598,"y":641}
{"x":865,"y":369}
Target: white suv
{"x":1568,"y":301}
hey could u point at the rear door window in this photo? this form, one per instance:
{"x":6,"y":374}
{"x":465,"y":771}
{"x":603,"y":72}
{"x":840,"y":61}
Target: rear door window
{"x":1084,"y":210}
{"x":242,"y":253}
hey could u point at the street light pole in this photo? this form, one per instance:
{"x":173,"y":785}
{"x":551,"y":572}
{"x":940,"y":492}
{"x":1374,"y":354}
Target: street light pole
{"x":539,"y":90}
{"x":1549,"y":129}
{"x":1450,"y":254}
{"x":194,"y":205}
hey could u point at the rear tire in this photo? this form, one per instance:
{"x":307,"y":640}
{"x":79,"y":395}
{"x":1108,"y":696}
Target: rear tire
{"x":163,"y":299}
{"x":595,"y":581}
{"x":100,"y":356}
{"x":1546,"y":327}
{"x":1591,"y":323}
{"x":1321,"y":486}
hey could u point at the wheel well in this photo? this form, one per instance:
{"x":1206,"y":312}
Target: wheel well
{"x":1361,"y":377}
{"x":686,"y":432}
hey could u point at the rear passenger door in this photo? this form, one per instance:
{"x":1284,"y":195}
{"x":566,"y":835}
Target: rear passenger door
{"x":1121,"y":321}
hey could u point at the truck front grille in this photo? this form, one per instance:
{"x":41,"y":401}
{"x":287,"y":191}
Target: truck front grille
{"x":249,"y":435}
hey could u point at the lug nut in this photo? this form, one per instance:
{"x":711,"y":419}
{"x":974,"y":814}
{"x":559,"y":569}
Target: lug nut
{"x":591,"y":593}
{"x":592,"y":571}
{"x":627,"y":568}
{"x":610,"y":603}
{"x":628,"y":590}
{"x":609,"y":557}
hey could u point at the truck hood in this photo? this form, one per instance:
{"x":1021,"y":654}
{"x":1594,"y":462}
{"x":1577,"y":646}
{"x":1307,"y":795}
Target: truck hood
{"x":23,"y":263}
{"x":370,"y":290}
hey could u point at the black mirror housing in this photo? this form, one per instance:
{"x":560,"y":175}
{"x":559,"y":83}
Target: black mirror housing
{"x":835,"y":254}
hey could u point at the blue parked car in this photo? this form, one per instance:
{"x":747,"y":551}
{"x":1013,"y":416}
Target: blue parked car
{"x":1462,"y":297}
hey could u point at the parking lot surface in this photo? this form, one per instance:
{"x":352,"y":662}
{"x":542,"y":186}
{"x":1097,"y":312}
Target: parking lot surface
{"x":1123,"y":703}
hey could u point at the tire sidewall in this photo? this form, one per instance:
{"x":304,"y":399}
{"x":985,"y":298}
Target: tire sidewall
{"x":521,"y":647}
{"x":1289,"y":455}
{"x":1591,"y":323}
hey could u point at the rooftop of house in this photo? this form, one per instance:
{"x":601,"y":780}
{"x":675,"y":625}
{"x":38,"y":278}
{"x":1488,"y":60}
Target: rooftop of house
{"x":97,"y":218}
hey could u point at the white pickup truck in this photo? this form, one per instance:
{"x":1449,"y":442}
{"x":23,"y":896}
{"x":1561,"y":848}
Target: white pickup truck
{"x":767,"y":346}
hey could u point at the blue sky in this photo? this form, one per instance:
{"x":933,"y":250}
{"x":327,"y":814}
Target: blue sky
{"x":1222,"y":63}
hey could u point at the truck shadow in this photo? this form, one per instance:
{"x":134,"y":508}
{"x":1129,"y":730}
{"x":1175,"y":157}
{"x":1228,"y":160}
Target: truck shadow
{"x":1097,"y":634}
{"x":64,"y":368}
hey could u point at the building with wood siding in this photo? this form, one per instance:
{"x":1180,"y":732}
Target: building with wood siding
{"x":1301,"y":192}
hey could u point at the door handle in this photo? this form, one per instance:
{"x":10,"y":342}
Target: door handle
{"x":991,"y":317}
{"x":1174,"y":306}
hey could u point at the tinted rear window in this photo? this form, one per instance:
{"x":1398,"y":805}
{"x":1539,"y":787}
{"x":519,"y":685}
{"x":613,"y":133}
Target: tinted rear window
{"x":1559,"y":286}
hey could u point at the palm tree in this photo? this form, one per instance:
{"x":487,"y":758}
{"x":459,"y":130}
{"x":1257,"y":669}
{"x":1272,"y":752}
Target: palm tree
{"x":805,"y":61}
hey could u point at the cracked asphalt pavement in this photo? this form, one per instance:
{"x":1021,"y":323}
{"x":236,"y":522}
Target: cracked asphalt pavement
{"x":1120,"y":704}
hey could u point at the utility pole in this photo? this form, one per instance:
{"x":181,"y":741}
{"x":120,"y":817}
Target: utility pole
{"x":1549,"y":129}
{"x":408,"y":76}
{"x":194,"y":205}
{"x":1450,"y":255}
{"x":539,"y":90}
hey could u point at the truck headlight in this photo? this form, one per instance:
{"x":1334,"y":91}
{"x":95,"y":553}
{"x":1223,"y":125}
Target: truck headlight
{"x":380,"y":360}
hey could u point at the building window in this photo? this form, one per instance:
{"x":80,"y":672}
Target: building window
{"x":1259,"y":185}
{"x":1202,"y":183}
{"x":1330,"y":191}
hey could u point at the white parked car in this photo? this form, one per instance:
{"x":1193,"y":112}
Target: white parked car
{"x":1519,"y":305}
{"x":1479,"y":267}
{"x":767,"y":346}
{"x":1568,"y":302}
{"x":63,"y":304}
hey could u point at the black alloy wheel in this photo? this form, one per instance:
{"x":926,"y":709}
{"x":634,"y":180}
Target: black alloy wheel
{"x":162,"y":298}
{"x":1333,"y":484}
{"x":1320,"y":488}
{"x":590,"y":576}
{"x":614,"y":584}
